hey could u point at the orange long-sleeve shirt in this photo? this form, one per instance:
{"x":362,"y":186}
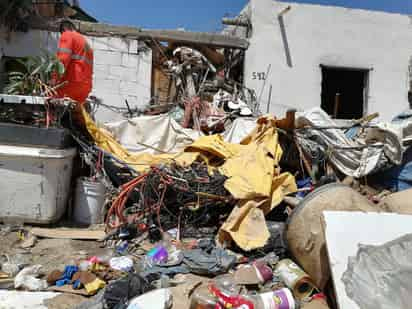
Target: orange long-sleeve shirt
{"x":77,"y":57}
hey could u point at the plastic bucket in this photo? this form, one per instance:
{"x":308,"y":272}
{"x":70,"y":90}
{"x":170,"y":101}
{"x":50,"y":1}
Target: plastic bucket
{"x":89,"y":202}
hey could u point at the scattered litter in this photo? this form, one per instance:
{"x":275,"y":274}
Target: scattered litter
{"x":197,"y":199}
{"x":28,"y":240}
{"x":28,"y":279}
{"x":120,"y":292}
{"x":295,"y":278}
{"x":122,"y":263}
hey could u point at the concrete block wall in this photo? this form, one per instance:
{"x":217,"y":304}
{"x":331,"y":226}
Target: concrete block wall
{"x":121,"y":71}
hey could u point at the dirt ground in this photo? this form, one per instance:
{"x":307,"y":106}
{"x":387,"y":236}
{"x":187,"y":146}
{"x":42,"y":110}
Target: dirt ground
{"x":51,"y":254}
{"x":57,"y":253}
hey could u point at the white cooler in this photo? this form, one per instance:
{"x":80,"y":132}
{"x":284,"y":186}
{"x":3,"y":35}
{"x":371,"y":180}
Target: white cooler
{"x":34,"y":183}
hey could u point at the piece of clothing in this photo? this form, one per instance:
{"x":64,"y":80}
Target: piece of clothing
{"x":54,"y":276}
{"x":68,"y":273}
{"x":94,"y":286}
{"x":397,"y":178}
{"x":84,"y":277}
{"x":77,"y":57}
{"x":207,"y":260}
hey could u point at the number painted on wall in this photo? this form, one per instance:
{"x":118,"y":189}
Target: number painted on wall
{"x":258,"y":75}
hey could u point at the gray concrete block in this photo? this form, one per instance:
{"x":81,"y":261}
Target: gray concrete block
{"x":128,"y":88}
{"x":101,"y":71}
{"x":130,"y":60}
{"x":118,"y":44}
{"x":107,"y":57}
{"x":123,"y":73}
{"x":100,"y":43}
{"x":133,"y":46}
{"x":106,"y":86}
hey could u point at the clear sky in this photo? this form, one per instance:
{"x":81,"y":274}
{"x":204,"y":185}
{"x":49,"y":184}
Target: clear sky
{"x":203,"y":15}
{"x":195,"y":15}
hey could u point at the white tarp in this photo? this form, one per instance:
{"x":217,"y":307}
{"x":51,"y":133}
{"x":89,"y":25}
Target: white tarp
{"x":153,"y":134}
{"x":353,"y":157}
{"x":239,"y":129}
{"x":161,"y":133}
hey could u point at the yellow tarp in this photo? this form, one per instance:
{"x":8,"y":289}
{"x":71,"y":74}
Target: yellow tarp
{"x":252,"y":168}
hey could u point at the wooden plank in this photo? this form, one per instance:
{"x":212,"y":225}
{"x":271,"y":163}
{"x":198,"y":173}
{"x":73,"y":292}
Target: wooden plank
{"x":210,"y":39}
{"x":235,"y":22}
{"x":68,"y":289}
{"x":80,"y":234}
{"x":100,"y":29}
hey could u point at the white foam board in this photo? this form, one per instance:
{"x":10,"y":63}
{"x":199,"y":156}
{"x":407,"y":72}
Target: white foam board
{"x":345,"y":230}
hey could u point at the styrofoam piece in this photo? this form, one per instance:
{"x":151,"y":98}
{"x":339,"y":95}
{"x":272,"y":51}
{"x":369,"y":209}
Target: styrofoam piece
{"x":34,"y":183}
{"x":23,"y":300}
{"x":156,"y":299}
{"x":345,"y":231}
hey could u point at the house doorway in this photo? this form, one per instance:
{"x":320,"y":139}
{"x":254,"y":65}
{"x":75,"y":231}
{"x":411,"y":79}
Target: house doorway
{"x":344,"y":92}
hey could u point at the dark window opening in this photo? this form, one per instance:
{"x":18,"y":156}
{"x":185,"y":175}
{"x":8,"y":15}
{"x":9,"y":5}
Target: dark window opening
{"x":344,"y":92}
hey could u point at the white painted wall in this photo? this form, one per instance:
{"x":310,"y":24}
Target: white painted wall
{"x":120,"y":70}
{"x":331,"y":36}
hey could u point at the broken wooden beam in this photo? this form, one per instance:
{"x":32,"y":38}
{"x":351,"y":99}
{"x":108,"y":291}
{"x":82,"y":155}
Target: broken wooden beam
{"x":235,"y":22}
{"x":100,"y":29}
{"x":204,"y":38}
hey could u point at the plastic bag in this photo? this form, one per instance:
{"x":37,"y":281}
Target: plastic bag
{"x":27,"y":279}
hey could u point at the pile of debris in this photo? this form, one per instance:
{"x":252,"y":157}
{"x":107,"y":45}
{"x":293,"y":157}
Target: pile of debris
{"x":250,"y":219}
{"x":200,"y":87}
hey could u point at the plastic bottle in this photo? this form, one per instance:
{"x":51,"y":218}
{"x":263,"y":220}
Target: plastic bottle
{"x":221,"y":293}
{"x":203,"y":299}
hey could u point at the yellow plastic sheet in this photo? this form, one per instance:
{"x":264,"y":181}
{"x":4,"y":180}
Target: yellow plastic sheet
{"x":252,"y":168}
{"x":246,"y":226}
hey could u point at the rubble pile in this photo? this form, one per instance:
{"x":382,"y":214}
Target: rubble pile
{"x":203,"y":202}
{"x":204,"y":89}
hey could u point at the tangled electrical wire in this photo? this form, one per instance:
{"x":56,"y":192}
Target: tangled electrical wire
{"x":172,"y":196}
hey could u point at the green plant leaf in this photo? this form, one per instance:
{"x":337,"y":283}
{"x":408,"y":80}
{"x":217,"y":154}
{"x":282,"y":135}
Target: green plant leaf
{"x":60,"y":68}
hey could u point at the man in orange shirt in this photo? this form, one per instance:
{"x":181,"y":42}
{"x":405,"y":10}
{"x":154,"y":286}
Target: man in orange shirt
{"x":77,"y":57}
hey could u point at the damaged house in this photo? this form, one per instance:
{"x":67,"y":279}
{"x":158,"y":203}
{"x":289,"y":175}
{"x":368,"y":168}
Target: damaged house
{"x":351,"y":62}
